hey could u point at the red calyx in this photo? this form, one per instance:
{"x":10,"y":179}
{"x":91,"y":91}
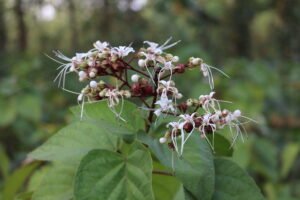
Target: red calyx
{"x":188,"y":127}
{"x":180,"y":68}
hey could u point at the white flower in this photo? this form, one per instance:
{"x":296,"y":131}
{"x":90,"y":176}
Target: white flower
{"x":168,"y":87}
{"x":135,"y":78}
{"x":165,"y":105}
{"x":79,"y":57}
{"x":156,"y":49}
{"x":206,"y":122}
{"x":208,"y":102}
{"x":113,"y":97}
{"x":206,"y":71}
{"x":122,"y":51}
{"x":100,"y":46}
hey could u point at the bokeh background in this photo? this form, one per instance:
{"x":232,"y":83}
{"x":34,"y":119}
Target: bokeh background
{"x":256,"y":42}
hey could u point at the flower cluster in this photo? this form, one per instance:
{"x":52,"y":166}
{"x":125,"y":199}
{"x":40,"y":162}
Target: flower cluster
{"x":151,"y":79}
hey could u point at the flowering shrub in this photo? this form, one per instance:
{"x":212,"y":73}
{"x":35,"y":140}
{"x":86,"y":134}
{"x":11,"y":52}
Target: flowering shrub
{"x":105,"y":152}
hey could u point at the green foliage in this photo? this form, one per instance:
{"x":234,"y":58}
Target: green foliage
{"x":74,"y":141}
{"x":95,"y":163}
{"x":57,"y":183}
{"x":264,"y":82}
{"x":15,"y":181}
{"x":104,"y":174}
{"x":233,"y":183}
{"x":101,"y":114}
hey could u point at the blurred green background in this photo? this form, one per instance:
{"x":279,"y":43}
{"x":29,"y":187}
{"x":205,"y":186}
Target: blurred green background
{"x":256,"y":42}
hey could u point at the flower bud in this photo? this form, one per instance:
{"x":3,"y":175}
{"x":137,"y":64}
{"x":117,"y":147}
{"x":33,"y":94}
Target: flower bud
{"x":198,"y":122}
{"x":175,"y":59}
{"x":178,"y":96}
{"x":237,"y":113}
{"x":196,"y":61}
{"x":135,"y":78}
{"x":141,"y":63}
{"x":80,"y":97}
{"x":180,"y":68}
{"x":136,"y":89}
{"x":188,"y":127}
{"x":189,"y":102}
{"x":127,"y":94}
{"x":72,"y":68}
{"x":82,"y":74}
{"x":162,"y":140}
{"x":93,"y":84}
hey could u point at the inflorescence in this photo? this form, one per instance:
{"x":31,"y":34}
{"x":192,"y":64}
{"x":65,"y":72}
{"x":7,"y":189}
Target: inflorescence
{"x":151,"y":79}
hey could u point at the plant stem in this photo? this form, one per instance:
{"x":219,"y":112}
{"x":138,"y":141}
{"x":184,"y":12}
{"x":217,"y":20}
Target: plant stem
{"x":151,"y":113}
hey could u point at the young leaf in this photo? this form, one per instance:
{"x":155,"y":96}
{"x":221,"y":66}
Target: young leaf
{"x":57,"y":184}
{"x":233,"y":183}
{"x":71,"y":143}
{"x":104,"y":174}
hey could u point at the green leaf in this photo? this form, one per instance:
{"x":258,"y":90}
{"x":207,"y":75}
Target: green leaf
{"x":71,"y":143}
{"x":37,"y":177}
{"x":196,"y":167}
{"x":233,"y":183}
{"x":100,"y":112}
{"x":164,"y":187}
{"x":16,"y":180}
{"x":222,"y":146}
{"x":57,"y":184}
{"x":8,"y":111}
{"x":24,"y":196}
{"x":104,"y":174}
{"x":288,"y":157}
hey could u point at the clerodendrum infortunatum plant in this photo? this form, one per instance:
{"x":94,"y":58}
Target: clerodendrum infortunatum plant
{"x":115,"y":75}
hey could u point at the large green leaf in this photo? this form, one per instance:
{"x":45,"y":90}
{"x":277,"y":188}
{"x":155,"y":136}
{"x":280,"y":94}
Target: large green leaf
{"x":233,"y":183}
{"x":104,"y":174}
{"x":196,"y":167}
{"x":57,"y":184}
{"x":71,"y":143}
{"x":100,"y":112}
{"x":222,"y":146}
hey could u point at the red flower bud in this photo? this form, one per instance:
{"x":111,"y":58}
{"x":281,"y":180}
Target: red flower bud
{"x":198,"y":122}
{"x":136,"y":89}
{"x":180,"y":68}
{"x":188,"y":127}
{"x":182,"y":107}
